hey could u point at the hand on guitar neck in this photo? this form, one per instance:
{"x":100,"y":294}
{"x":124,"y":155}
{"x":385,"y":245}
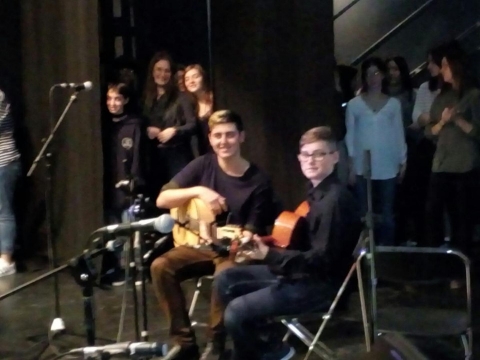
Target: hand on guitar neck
{"x":289,"y":228}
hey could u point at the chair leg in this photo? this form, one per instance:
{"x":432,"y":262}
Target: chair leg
{"x":327,"y":316}
{"x":193,"y":304}
{"x":361,"y":290}
{"x":307,"y":338}
{"x":467,"y":345}
{"x":287,"y":336}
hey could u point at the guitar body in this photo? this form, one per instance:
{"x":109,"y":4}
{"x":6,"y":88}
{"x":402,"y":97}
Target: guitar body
{"x":189,"y":234}
{"x":302,"y":209}
{"x":198,"y":225}
{"x":289,"y":228}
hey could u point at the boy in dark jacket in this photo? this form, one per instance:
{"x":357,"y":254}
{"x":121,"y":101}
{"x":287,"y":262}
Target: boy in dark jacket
{"x":124,"y":166}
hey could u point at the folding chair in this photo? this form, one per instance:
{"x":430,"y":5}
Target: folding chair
{"x":295,"y":326}
{"x":415,"y":267}
{"x":193,"y":303}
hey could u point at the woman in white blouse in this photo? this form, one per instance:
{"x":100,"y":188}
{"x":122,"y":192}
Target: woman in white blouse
{"x":421,"y":148}
{"x":374,"y":123}
{"x":428,"y":91}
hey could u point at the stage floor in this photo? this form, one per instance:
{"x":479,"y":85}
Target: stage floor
{"x":30,"y":312}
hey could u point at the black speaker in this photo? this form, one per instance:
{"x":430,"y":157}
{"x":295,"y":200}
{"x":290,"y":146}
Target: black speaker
{"x":391,"y":346}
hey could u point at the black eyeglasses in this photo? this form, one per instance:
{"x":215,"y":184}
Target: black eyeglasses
{"x":316,"y":155}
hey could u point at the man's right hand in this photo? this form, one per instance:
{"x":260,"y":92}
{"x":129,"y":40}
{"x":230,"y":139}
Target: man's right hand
{"x":216,"y":202}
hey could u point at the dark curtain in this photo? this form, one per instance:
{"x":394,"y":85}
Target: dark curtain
{"x":60,"y":43}
{"x":273,"y":63}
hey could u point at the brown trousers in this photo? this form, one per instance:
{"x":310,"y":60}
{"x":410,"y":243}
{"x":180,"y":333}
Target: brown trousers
{"x":168,"y":271}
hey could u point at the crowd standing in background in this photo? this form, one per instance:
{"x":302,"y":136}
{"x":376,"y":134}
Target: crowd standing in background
{"x":422,"y":142}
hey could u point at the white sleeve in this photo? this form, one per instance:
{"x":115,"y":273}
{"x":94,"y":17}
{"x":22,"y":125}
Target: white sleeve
{"x":350,"y":124}
{"x":421,"y":102}
{"x":400,"y":133}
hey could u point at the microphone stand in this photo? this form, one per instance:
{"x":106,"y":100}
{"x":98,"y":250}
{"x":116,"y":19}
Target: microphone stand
{"x":45,"y":154}
{"x":369,"y":223}
{"x":137,"y":210}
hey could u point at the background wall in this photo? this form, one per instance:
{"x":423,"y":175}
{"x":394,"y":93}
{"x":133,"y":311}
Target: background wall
{"x":368,"y":20}
{"x":273,"y":64}
{"x":60,"y":43}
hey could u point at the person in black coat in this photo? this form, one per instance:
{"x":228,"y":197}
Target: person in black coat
{"x":124,"y":166}
{"x":171,"y":122}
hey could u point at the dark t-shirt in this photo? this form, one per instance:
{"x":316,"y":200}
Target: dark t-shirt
{"x":249,"y":197}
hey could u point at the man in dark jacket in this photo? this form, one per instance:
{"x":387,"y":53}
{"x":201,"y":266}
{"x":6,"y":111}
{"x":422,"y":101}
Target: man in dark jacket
{"x":294,"y":281}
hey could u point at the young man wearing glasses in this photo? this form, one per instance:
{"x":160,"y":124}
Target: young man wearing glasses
{"x":294,"y":281}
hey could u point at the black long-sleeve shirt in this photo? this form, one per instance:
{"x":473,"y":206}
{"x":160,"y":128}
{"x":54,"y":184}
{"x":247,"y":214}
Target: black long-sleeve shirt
{"x":180,"y":115}
{"x":334,"y":228}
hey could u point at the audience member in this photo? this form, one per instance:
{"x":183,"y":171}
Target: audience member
{"x":455,"y":126}
{"x":171,"y":122}
{"x":196,"y":83}
{"x":374,"y":123}
{"x":9,"y":172}
{"x":400,"y":86}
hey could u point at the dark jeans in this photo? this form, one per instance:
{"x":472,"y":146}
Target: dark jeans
{"x":8,"y":229}
{"x":456,"y":194}
{"x":251,"y":295}
{"x":168,"y":271}
{"x":383,"y":200}
{"x":412,"y":194}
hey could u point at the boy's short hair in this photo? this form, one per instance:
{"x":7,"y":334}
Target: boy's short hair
{"x":225,"y":117}
{"x":319,"y":133}
{"x":120,"y":88}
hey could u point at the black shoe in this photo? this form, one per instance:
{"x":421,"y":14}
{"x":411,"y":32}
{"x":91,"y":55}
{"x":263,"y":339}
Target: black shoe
{"x":215,"y":350}
{"x":114,"y":277}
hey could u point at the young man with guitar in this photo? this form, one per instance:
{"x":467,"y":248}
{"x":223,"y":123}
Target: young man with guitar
{"x":294,"y":281}
{"x":228,"y":184}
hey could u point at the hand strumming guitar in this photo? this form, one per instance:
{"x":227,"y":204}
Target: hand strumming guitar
{"x":258,"y":250}
{"x":216,"y":202}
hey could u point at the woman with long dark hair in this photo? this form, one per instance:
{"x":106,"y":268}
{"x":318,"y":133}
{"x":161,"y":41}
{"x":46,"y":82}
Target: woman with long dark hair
{"x":196,"y":83}
{"x":455,"y":126}
{"x":420,"y":156}
{"x":400,"y":86}
{"x":171,"y":121}
{"x":374,"y":123}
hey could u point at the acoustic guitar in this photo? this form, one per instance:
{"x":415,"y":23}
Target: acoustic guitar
{"x":288,"y":231}
{"x":195,"y":226}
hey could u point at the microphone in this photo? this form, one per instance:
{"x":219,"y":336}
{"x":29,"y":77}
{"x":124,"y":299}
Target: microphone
{"x":87,"y":85}
{"x":130,"y":349}
{"x":163,"y":224}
